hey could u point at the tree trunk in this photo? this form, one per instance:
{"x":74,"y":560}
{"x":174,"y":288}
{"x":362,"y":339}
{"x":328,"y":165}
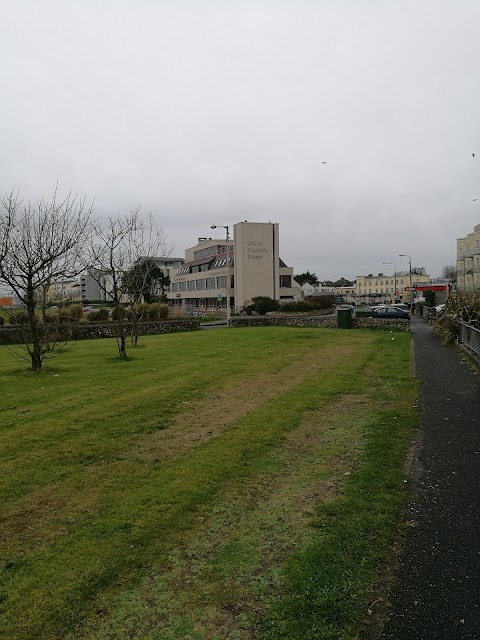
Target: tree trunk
{"x":34,"y":337}
{"x":122,"y":350}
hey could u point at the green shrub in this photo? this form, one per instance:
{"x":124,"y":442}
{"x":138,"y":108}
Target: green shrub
{"x":19,"y":317}
{"x":430,"y":298}
{"x":141,"y":311}
{"x":298,"y":306}
{"x":319,"y":302}
{"x":164,"y":310}
{"x":75,"y":311}
{"x":99,"y":315}
{"x":64,"y":315}
{"x":153,"y":312}
{"x":156,"y":311}
{"x":120,"y":313}
{"x":262,"y":305}
{"x":464,"y":307}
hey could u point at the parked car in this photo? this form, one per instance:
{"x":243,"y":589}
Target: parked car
{"x":391,"y":312}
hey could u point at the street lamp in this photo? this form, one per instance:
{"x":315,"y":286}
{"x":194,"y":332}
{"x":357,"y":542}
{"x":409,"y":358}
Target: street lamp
{"x":405,"y":255}
{"x":394,"y":278}
{"x":227,"y":287}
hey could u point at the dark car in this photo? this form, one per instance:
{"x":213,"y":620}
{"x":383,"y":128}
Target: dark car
{"x":391,"y":312}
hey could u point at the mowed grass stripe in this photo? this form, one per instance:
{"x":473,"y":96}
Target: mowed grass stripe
{"x":143,"y":506}
{"x":219,"y":579}
{"x":155,"y":503}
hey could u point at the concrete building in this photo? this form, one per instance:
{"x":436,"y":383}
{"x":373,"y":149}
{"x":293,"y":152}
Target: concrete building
{"x":168,"y":265}
{"x":468,"y":261}
{"x":250,"y":261}
{"x":90,"y":285}
{"x":381,"y":288}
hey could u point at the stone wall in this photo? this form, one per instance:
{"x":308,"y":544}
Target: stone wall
{"x":11,"y":334}
{"x":329,"y":322}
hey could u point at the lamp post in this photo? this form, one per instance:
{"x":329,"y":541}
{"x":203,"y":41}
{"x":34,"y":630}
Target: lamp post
{"x":405,"y":255}
{"x":394,"y":278}
{"x":227,"y":287}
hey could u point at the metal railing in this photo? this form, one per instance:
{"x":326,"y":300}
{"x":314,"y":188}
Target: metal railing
{"x":470,"y":337}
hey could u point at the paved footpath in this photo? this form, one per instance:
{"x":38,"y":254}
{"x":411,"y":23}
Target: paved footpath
{"x":437,"y":595}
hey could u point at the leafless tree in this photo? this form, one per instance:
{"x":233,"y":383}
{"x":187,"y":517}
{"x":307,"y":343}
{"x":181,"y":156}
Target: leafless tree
{"x":449,"y":272}
{"x":39,"y":245}
{"x":113,"y":248}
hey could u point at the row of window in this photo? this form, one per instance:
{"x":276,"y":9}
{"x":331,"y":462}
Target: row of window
{"x":220,"y":282}
{"x":399,"y":281}
{"x":390,"y":290}
{"x":198,"y":268}
{"x":199,"y":285}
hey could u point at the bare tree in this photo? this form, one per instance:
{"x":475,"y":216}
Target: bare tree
{"x":419,"y":271}
{"x":38,"y":247}
{"x":113,"y":249}
{"x":449,"y":272}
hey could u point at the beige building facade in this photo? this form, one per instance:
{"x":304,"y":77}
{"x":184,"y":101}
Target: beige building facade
{"x":381,"y":288}
{"x":468,"y":261}
{"x":250,"y":261}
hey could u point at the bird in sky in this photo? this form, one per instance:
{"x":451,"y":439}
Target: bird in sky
{"x":475,"y":199}
{"x":323,"y":162}
{"x":473,"y":155}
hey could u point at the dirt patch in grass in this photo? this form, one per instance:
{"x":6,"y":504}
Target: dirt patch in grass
{"x":51,"y":511}
{"x":201,"y":421}
{"x":220,"y":578}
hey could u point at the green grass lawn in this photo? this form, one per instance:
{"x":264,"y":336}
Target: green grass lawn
{"x":217,"y":485}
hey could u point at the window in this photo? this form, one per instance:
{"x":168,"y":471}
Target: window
{"x":191,"y":285}
{"x":221,"y":282}
{"x":200,"y":284}
{"x":174,"y":287}
{"x":210,"y":283}
{"x":204,"y":267}
{"x":285,"y":281}
{"x":182,"y":286}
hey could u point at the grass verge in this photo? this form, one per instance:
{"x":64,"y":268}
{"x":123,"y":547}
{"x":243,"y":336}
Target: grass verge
{"x":134,"y":509}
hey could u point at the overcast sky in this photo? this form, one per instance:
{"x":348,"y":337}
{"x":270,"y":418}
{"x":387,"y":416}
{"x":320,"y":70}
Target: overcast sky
{"x":220,"y":111}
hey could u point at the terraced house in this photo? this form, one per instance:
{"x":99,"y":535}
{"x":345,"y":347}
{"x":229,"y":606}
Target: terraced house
{"x":383,"y":288}
{"x":246,"y":266}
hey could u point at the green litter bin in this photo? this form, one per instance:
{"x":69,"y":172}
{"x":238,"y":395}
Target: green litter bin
{"x":344,"y":318}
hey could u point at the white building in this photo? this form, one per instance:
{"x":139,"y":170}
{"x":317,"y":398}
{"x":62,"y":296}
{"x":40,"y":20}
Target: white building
{"x":250,"y":261}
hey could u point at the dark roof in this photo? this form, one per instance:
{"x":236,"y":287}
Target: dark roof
{"x":343,"y":283}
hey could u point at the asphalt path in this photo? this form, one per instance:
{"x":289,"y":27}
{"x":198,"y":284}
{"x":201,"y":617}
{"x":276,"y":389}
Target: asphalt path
{"x":437,"y":593}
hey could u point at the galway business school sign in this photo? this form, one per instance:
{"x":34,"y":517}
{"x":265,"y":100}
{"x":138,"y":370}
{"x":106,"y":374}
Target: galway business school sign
{"x":256,"y":250}
{"x":255,"y":256}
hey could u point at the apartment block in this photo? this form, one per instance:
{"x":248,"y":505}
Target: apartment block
{"x":468,"y":261}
